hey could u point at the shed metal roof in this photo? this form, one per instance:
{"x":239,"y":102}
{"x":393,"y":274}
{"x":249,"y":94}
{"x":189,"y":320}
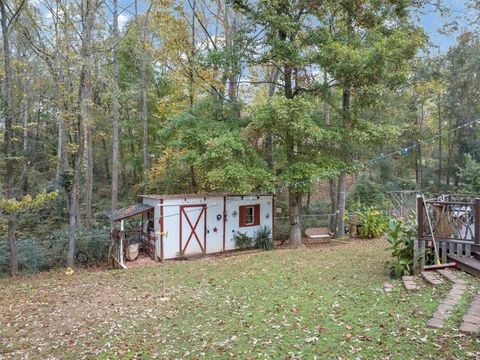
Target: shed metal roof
{"x":129,"y":211}
{"x":182,"y":196}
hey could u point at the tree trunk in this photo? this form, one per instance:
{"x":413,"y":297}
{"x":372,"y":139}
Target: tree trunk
{"x":142,"y":29}
{"x":333,"y":206}
{"x":83,"y":113}
{"x":439,"y":143}
{"x":191,"y":56}
{"x":86,"y":105}
{"x":268,"y":157}
{"x":230,"y":31}
{"x":449,"y":152}
{"x":295,"y":203}
{"x":193,"y":178}
{"x":105,"y":160}
{"x":26,"y":167}
{"x":9,"y":181}
{"x":418,"y":160}
{"x":341,"y":205}
{"x":341,"y":198}
{"x":115,"y":112}
{"x":62,"y":162}
{"x":60,"y":146}
{"x":89,"y":175}
{"x":72,"y":223}
{"x":12,"y":241}
{"x":294,"y":197}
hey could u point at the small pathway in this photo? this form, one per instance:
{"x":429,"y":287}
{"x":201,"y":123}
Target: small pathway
{"x":387,"y":287}
{"x":447,"y":305}
{"x":471,"y":321}
{"x":410,"y":283}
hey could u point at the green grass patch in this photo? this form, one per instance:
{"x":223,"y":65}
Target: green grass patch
{"x":325,"y":302}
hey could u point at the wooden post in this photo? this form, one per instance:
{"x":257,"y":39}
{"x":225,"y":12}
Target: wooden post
{"x":122,"y":228}
{"x":476,"y":219}
{"x":420,"y":208}
{"x":417,"y":252}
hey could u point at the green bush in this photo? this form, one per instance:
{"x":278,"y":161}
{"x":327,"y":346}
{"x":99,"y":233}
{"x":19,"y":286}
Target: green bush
{"x":470,"y":174}
{"x":242,"y":241}
{"x":282,"y":230}
{"x":366,"y":193}
{"x":401,"y":236}
{"x":371,"y":222}
{"x":263,"y":238}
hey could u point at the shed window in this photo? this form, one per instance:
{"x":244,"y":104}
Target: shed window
{"x":249,"y":215}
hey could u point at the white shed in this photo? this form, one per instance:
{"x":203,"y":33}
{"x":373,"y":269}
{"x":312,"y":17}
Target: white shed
{"x":196,"y":224}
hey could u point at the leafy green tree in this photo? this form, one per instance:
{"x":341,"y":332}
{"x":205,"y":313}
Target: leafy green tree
{"x":205,"y":149}
{"x":469,"y":174}
{"x":366,"y":50}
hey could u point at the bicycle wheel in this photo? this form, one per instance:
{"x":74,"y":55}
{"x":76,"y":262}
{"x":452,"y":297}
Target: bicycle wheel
{"x":82,"y":257}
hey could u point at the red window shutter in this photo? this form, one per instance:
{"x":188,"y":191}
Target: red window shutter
{"x":256,"y":215}
{"x":242,"y":216}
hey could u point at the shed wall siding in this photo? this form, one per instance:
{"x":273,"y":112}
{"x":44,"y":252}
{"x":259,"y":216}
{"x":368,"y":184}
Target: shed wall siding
{"x":214,"y":222}
{"x":233,"y":222}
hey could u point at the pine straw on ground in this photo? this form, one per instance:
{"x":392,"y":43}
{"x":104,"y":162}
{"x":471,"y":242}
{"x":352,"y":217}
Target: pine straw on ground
{"x":322,"y":302}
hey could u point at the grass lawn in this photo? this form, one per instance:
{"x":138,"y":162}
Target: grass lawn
{"x":324,"y":302}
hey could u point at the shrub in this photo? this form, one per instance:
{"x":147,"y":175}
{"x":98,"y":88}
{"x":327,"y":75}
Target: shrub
{"x":282,"y":230}
{"x":371,"y":223}
{"x":263,"y":238}
{"x":470,"y":174}
{"x":242,"y":241}
{"x":367,"y":193}
{"x":401,"y":236}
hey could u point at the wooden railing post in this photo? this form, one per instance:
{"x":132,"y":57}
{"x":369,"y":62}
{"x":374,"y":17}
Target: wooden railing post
{"x":416,"y":245}
{"x":420,"y":221}
{"x":476,"y":219}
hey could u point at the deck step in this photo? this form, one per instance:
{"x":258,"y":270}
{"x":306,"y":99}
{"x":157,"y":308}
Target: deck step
{"x":451,"y":276}
{"x":476,"y":254}
{"x":432,"y":278}
{"x":468,"y":264}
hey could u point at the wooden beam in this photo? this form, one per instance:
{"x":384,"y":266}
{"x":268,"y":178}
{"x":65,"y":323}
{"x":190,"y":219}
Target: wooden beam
{"x":476,"y":217}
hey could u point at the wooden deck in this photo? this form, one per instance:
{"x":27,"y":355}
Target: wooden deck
{"x":468,"y":264}
{"x":448,"y":230}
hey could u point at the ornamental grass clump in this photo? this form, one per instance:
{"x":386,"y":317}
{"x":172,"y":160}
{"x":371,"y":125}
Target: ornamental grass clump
{"x":263,"y":238}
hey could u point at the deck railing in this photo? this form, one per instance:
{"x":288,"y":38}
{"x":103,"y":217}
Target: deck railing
{"x":455,"y":223}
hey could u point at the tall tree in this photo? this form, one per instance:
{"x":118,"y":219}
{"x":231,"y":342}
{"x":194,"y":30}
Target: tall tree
{"x":7,"y":21}
{"x":366,"y":49}
{"x":142,"y":28}
{"x":284,"y":28}
{"x":115,"y":108}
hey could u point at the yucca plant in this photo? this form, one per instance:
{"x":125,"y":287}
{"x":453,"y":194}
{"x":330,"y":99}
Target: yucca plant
{"x":263,"y":238}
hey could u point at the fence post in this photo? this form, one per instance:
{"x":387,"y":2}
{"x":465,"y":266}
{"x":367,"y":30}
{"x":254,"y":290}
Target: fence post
{"x":476,"y":219}
{"x":418,"y":238}
{"x":420,"y":220}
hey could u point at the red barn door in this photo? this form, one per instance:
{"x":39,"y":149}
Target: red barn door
{"x":193,"y":229}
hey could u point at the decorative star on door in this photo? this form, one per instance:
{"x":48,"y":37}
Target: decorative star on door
{"x":193,"y":229}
